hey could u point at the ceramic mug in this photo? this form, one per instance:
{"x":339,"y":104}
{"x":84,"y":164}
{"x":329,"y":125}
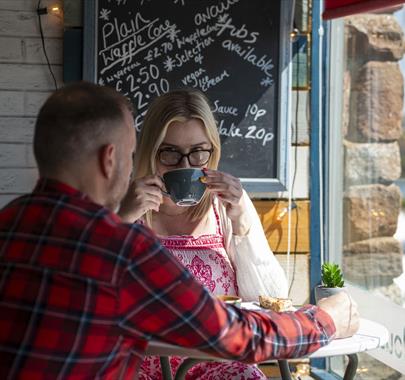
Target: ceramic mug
{"x":185,"y":186}
{"x":232,"y":300}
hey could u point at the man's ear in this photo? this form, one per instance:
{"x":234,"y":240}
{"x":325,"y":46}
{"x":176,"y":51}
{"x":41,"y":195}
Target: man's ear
{"x":107,"y":160}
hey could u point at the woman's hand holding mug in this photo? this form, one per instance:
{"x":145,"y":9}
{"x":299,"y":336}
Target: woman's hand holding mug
{"x":144,"y":194}
{"x":229,"y":190}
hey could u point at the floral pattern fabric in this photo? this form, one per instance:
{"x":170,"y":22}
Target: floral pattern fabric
{"x":206,"y":258}
{"x":150,"y":370}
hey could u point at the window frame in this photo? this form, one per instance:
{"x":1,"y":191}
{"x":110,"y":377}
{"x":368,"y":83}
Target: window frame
{"x":389,"y":314}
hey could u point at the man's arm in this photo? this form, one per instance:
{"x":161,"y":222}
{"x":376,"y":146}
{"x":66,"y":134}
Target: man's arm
{"x":160,"y":299}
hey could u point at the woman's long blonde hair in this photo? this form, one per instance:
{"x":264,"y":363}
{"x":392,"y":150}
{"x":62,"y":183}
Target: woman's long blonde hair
{"x":177,"y":105}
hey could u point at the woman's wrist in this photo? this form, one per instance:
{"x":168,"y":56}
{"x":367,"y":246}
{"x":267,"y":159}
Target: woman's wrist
{"x":240,"y":218}
{"x":241,"y":226}
{"x":128,"y":216}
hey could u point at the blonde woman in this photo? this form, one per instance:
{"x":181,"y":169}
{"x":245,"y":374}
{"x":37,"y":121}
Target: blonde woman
{"x":220,"y":240}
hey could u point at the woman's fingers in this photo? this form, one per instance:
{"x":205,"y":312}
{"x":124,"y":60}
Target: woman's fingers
{"x":144,"y":194}
{"x":148,"y":194}
{"x":227,"y":187}
{"x":150,"y":203}
{"x":151,"y":190}
{"x":229,"y":191}
{"x":152,"y":180}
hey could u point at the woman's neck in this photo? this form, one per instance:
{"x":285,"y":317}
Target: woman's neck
{"x":168,"y":222}
{"x":173,"y":211}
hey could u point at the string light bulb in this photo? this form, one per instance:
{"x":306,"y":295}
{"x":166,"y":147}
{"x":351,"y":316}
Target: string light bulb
{"x":303,"y":369}
{"x":284,"y":211}
{"x":55,"y":9}
{"x":294,"y":34}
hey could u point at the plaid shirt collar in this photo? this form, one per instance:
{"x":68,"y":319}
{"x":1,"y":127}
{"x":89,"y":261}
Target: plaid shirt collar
{"x":49,"y":185}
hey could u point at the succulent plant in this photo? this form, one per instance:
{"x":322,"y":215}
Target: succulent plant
{"x":332,"y":276}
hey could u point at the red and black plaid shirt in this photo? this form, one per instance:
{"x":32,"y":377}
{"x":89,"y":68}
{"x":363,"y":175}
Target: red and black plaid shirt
{"x":81,"y":294}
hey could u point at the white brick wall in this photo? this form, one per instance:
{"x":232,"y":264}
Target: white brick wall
{"x":25,"y":82}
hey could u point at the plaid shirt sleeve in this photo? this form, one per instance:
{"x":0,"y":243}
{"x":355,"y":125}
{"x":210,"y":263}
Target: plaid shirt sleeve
{"x":160,"y":299}
{"x":81,"y":294}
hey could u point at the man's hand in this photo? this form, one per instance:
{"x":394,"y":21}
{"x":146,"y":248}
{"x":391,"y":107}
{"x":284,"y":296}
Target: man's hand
{"x":343,"y":310}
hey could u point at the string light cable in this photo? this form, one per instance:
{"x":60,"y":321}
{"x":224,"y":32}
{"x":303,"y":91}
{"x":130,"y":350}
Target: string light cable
{"x":293,"y":38}
{"x":40,"y":12}
{"x":320,"y":147}
{"x":292,"y":179}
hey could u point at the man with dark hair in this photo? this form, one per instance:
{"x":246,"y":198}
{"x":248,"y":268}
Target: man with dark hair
{"x":77,"y":128}
{"x":82,"y":293}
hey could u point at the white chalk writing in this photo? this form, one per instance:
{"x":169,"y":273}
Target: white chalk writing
{"x":226,"y":110}
{"x":118,"y":74}
{"x":191,"y":79}
{"x":206,"y":82}
{"x":213,"y":11}
{"x":263,"y":63}
{"x":128,"y":39}
{"x":242,"y":33}
{"x":187,"y":55}
{"x":254,"y":110}
{"x":143,"y":53}
{"x":194,"y":37}
{"x":252,"y":133}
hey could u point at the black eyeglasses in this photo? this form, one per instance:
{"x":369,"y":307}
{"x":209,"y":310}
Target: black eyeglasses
{"x":171,"y":157}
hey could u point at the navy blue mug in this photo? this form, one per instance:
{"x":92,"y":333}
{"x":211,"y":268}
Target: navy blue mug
{"x":185,"y":186}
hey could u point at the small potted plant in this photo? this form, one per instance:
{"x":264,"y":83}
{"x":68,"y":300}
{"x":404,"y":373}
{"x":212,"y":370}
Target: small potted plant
{"x":332,"y":281}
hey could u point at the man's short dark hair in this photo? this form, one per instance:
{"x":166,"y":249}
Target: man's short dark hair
{"x":74,"y":122}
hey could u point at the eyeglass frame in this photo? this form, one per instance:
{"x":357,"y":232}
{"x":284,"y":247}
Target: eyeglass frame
{"x":182,"y":155}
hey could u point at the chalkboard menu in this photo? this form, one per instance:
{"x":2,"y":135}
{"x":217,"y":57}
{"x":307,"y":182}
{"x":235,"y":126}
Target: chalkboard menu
{"x":236,"y":51}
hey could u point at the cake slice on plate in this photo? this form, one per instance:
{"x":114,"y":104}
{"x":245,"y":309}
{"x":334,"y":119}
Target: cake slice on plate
{"x":276,"y":304}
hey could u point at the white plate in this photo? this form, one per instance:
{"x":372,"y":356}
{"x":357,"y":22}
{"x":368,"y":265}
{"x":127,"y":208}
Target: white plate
{"x":255,"y":306}
{"x":251,"y":306}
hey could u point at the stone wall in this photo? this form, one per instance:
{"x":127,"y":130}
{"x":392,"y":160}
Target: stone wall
{"x":372,"y":126}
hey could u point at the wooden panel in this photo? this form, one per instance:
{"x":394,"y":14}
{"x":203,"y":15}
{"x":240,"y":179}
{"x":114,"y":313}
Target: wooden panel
{"x":21,"y":103}
{"x":29,"y":50}
{"x":275,"y":225}
{"x":25,"y":22}
{"x":300,"y":57}
{"x":25,"y":82}
{"x":301,"y":15}
{"x":300,"y":117}
{"x":34,"y":101}
{"x":17,"y":5}
{"x":16,"y":156}
{"x":17,"y":181}
{"x":272,"y":371}
{"x":25,"y":77}
{"x":11,"y":103}
{"x":16,"y":130}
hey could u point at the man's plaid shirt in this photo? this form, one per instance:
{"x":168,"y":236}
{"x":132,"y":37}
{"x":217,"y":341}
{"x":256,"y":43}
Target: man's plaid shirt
{"x":81,"y":294}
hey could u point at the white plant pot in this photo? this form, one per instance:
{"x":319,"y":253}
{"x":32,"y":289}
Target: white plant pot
{"x":321,"y":291}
